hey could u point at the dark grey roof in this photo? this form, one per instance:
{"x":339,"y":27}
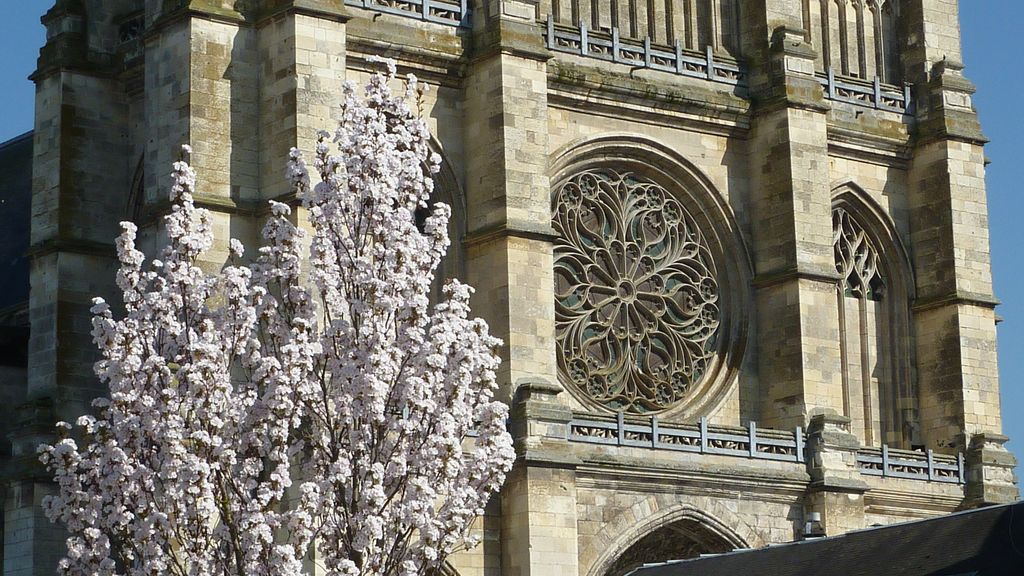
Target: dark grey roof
{"x":15,"y":219}
{"x":982,"y":542}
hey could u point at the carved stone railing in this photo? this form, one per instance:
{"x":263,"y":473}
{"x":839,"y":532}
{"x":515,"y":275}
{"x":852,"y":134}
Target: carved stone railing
{"x":697,"y":24}
{"x":748,"y":442}
{"x":759,"y":444}
{"x":871,"y":94}
{"x":438,"y":11}
{"x":610,"y":46}
{"x":911,"y":465}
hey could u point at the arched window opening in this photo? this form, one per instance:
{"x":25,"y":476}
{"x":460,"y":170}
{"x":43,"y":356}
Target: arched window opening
{"x":856,"y":258}
{"x":680,"y":540}
{"x":447,"y":191}
{"x":874,"y":320}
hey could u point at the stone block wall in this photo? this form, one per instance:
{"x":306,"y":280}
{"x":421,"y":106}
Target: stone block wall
{"x":763,"y":163}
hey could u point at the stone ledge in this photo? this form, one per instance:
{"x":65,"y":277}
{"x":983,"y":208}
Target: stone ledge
{"x":648,"y":95}
{"x":774,"y":278}
{"x":326,"y":9}
{"x":957,"y":298}
{"x":524,"y":230}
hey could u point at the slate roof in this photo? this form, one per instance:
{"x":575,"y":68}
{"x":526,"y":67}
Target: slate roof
{"x":15,"y":220}
{"x":983,"y":542}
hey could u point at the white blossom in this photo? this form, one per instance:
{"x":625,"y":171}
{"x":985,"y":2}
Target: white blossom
{"x":312,"y":394}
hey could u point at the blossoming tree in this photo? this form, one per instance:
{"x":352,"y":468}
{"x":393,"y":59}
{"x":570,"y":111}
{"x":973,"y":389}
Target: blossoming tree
{"x":256,"y":410}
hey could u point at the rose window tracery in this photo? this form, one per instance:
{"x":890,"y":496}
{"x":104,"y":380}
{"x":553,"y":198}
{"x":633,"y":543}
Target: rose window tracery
{"x":636,"y":292}
{"x":856,"y":258}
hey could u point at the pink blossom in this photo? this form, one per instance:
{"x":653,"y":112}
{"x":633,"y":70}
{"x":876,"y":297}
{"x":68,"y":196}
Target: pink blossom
{"x":310,"y":395}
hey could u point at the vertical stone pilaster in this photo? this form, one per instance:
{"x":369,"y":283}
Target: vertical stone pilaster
{"x":79,"y":160}
{"x":798,"y":336}
{"x":199,"y":86}
{"x":32,"y":546}
{"x":301,"y":46}
{"x":509,"y":259}
{"x":931,"y":29}
{"x":509,"y":241}
{"x":539,"y":534}
{"x":954,"y":311}
{"x":79,"y":165}
{"x":302,"y":49}
{"x":758,"y":21}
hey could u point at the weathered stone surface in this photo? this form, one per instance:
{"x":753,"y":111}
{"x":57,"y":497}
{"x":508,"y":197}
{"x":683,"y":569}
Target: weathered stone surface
{"x":762,"y":160}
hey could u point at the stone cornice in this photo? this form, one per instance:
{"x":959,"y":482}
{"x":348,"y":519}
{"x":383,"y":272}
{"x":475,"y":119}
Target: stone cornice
{"x":769,"y":279}
{"x":507,"y":230}
{"x":443,"y":68}
{"x":651,"y":474}
{"x":509,"y":36}
{"x":642,"y":95}
{"x":73,"y":246}
{"x":869,"y":147}
{"x":957,"y":298}
{"x":324,"y":9}
{"x":900,"y":499}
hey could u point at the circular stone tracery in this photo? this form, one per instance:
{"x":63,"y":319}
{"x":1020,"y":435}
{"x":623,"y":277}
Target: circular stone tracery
{"x":636,"y":295}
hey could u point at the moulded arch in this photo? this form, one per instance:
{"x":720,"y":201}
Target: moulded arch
{"x":623,"y":532}
{"x":448,"y":190}
{"x":644,"y":156}
{"x":447,"y":187}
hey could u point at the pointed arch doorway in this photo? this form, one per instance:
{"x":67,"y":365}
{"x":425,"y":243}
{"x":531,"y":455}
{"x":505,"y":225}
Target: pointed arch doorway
{"x":687,"y":538}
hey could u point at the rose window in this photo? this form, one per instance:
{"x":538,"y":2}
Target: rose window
{"x":636,"y":295}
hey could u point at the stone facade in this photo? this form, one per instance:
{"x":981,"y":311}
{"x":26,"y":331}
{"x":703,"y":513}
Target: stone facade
{"x":845,"y":372}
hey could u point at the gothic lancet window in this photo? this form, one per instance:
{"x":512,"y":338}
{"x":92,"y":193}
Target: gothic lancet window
{"x":874,"y":336}
{"x":636,"y":292}
{"x":856,"y":258}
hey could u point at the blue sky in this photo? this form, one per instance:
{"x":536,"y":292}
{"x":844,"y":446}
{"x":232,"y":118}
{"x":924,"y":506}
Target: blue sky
{"x":992,"y":56}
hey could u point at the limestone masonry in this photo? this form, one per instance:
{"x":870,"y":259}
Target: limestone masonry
{"x":737,"y":250}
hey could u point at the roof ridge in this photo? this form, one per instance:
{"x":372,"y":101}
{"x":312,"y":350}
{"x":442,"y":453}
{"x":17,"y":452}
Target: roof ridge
{"x":17,"y":139}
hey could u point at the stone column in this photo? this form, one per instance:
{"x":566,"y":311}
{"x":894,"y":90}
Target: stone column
{"x":797,"y":315}
{"x":954,"y":311}
{"x":836,"y":491}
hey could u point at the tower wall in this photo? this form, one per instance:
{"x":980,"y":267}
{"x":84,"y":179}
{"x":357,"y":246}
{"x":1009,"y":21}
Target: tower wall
{"x":839,"y":369}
